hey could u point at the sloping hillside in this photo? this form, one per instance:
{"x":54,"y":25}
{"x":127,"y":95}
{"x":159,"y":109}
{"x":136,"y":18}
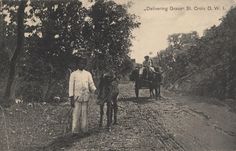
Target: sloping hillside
{"x":202,"y":65}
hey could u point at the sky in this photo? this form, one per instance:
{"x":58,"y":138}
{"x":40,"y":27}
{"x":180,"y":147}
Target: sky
{"x":160,"y":18}
{"x":157,"y":22}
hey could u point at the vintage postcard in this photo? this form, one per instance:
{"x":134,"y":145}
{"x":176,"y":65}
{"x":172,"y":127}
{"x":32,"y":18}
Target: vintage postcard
{"x":117,"y":75}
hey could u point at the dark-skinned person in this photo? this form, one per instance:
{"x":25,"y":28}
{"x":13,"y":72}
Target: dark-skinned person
{"x":81,"y":86}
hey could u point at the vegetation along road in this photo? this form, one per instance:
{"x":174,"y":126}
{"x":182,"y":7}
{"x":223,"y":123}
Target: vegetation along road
{"x":176,"y":122}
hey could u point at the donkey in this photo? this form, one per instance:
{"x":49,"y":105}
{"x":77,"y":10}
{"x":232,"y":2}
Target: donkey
{"x":155,"y":85}
{"x":108,"y":93}
{"x":153,"y":82}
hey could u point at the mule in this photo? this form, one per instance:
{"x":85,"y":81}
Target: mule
{"x":153,"y":82}
{"x":155,"y":85}
{"x":108,"y":93}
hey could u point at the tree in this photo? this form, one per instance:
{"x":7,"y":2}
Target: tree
{"x":60,"y":28}
{"x":51,"y":42}
{"x":7,"y":40}
{"x":10,"y":89}
{"x":105,"y":38}
{"x":3,"y":55}
{"x":211,"y":58}
{"x":109,"y":34}
{"x":182,"y":40}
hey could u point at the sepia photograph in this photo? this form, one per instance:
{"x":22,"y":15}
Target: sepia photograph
{"x":117,"y":75}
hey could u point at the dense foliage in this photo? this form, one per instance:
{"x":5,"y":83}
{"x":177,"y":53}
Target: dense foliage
{"x":55,"y":30}
{"x":207,"y":62}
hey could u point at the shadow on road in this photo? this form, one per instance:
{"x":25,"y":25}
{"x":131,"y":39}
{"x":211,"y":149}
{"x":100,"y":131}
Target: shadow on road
{"x":64,"y":142}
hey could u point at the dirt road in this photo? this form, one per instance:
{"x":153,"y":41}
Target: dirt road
{"x":175,"y":123}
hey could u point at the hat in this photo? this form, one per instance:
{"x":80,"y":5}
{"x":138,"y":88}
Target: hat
{"x":79,"y":59}
{"x":109,"y":75}
{"x":146,"y":57}
{"x":82,"y":59}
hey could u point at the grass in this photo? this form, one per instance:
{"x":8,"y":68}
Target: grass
{"x":31,"y":124}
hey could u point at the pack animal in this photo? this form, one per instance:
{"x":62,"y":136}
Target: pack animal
{"x":108,"y":93}
{"x":153,"y":82}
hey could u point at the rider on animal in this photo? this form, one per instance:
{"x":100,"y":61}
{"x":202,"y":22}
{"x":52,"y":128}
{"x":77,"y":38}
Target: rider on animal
{"x":147,"y":68}
{"x":147,"y":77}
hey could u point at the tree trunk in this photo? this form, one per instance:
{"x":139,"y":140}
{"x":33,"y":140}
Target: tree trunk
{"x":1,"y":28}
{"x":10,"y":89}
{"x":51,"y":84}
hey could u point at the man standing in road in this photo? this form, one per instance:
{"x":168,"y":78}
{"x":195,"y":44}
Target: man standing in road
{"x":81,"y":85}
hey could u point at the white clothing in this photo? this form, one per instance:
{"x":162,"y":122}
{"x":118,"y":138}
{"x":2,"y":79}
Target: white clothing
{"x":80,"y":85}
{"x":141,"y":70}
{"x":80,"y":117}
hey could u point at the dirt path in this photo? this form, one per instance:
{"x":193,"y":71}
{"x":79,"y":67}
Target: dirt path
{"x":175,"y":123}
{"x":201,"y":123}
{"x":179,"y":123}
